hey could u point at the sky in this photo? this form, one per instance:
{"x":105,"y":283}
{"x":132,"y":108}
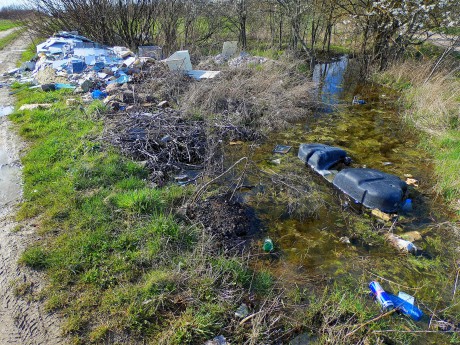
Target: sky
{"x":4,"y":3}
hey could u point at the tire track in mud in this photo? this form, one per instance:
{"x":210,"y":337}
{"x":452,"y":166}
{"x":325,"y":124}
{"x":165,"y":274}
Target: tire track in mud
{"x":23,"y":320}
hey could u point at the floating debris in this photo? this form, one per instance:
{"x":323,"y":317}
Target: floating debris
{"x":283,"y":149}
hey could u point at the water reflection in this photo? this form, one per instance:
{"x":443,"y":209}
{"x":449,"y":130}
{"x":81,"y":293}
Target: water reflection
{"x":329,"y":78}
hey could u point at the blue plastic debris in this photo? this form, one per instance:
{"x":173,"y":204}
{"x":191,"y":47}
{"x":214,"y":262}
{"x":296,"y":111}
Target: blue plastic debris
{"x":98,"y":66}
{"x":404,"y":303}
{"x":78,"y":66}
{"x":98,"y":94}
{"x":60,"y":86}
{"x":407,"y":206}
{"x":356,"y":100}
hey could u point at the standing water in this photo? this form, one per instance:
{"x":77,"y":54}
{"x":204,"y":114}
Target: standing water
{"x":334,"y":242}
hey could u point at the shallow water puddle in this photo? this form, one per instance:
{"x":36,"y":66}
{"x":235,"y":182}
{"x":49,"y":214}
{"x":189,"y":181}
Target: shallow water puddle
{"x":10,"y":186}
{"x":325,"y":245}
{"x":10,"y":181}
{"x":6,"y":110}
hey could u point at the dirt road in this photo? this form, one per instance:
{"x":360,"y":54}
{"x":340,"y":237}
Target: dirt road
{"x":22,"y":321}
{"x":445,"y":41}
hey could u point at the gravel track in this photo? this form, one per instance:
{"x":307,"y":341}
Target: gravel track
{"x":23,"y":320}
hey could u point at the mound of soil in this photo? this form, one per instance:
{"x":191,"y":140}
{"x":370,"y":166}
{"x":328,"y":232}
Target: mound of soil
{"x":231,"y":223}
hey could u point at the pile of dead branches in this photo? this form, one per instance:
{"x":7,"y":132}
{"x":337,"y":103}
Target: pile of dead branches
{"x":169,"y":143}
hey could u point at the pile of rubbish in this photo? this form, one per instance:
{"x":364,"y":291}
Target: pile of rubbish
{"x":70,"y":61}
{"x":245,"y":59}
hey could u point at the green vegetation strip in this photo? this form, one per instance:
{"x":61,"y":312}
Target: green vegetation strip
{"x":10,"y":38}
{"x":6,"y":24}
{"x":28,"y":54}
{"x":116,"y":257}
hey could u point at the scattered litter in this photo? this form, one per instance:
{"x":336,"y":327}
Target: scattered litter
{"x":276,"y":161}
{"x":399,"y":243}
{"x":163,"y":104}
{"x":404,"y":303}
{"x":387,"y":217}
{"x":356,"y":100}
{"x":372,"y":188}
{"x":98,"y":94}
{"x":48,"y":87}
{"x":345,"y":240}
{"x":283,"y":149}
{"x":381,"y":296}
{"x":412,"y":236}
{"x":180,"y":61}
{"x":387,"y":163}
{"x":407,"y":206}
{"x":321,"y":157}
{"x":229,"y":49}
{"x":155,"y":52}
{"x":6,"y":110}
{"x":35,"y":106}
{"x":245,"y":59}
{"x":268,"y":245}
{"x":412,"y":182}
{"x":71,"y":101}
{"x":242,"y":311}
{"x":198,"y":75}
{"x":238,"y":142}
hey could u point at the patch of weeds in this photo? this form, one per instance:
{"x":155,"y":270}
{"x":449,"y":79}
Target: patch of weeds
{"x":28,"y":54}
{"x":35,"y":257}
{"x":22,"y":289}
{"x":263,"y":282}
{"x":6,"y":24}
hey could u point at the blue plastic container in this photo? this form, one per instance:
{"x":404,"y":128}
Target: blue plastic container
{"x":381,"y":296}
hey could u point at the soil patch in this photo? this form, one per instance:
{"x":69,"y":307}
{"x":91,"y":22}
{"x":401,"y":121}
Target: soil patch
{"x":231,"y":223}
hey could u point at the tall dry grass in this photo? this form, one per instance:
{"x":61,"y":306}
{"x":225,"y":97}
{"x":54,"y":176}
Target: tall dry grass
{"x":431,"y":96}
{"x":263,"y":97}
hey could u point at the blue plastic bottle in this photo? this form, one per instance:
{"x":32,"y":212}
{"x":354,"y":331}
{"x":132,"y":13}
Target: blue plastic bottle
{"x":407,"y":206}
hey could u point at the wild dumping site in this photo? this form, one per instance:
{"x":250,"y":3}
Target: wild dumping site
{"x":230,"y":172}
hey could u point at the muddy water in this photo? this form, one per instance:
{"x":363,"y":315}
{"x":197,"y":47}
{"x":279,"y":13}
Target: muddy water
{"x":374,"y":137}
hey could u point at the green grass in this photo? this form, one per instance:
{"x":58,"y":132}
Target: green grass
{"x":117,"y":259}
{"x":10,"y":38}
{"x":6,"y":24}
{"x":28,"y":54}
